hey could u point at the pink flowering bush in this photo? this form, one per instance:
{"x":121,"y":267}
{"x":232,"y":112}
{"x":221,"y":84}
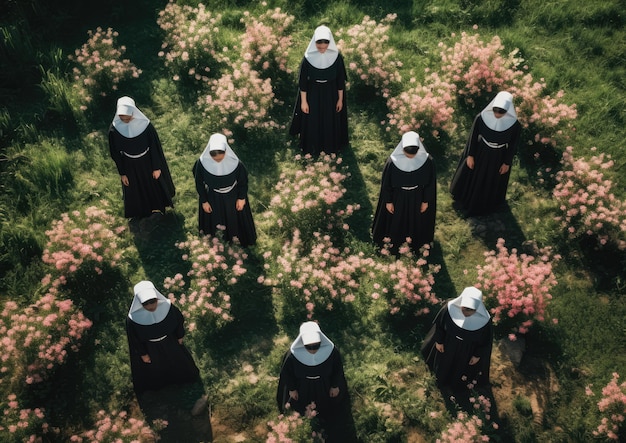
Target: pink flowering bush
{"x":516,"y":287}
{"x":240,"y":98}
{"x":37,"y":339}
{"x":292,"y":427}
{"x":308,"y":198}
{"x":203,"y":296}
{"x":369,"y":57}
{"x":100,"y":65}
{"x":120,"y":427}
{"x":587,"y":207}
{"x":480,"y":69}
{"x":190,"y":46}
{"x":425,"y":108}
{"x":465,"y":429}
{"x":266,"y":42}
{"x":83,"y":242}
{"x":612,"y":407}
{"x":23,"y":425}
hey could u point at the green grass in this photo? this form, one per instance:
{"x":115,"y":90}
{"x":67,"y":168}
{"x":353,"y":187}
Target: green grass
{"x":54,"y":159}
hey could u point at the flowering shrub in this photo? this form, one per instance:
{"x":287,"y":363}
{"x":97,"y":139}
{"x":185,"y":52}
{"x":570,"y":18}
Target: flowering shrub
{"x":465,"y":429}
{"x":84,"y":241}
{"x":189,"y":47}
{"x":587,"y":206}
{"x":215,"y":269}
{"x":516,"y":287}
{"x":479,"y":69}
{"x":119,"y":427}
{"x":25,"y":425}
{"x":613,"y":407}
{"x":292,"y":427}
{"x":240,"y":98}
{"x":37,"y":339}
{"x":425,"y":108}
{"x":100,"y":66}
{"x":307,"y":199}
{"x":267,"y":40}
{"x":370,"y":58}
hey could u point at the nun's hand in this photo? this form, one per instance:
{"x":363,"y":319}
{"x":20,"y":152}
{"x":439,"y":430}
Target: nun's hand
{"x":334,"y":392}
{"x":470,"y":161}
{"x":156,"y":174}
{"x":241,"y":202}
{"x":180,"y":341}
{"x":304,"y":106}
{"x":389,"y":207}
{"x":293,"y":394}
{"x":339,"y":105}
{"x":439,"y":347}
{"x":504,"y":169}
{"x":424,"y":207}
{"x":124,"y":179}
{"x":146,"y":358}
{"x":206,"y":207}
{"x":473,"y":360}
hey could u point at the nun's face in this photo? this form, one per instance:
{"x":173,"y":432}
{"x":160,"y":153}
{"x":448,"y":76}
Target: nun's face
{"x":499,"y":112}
{"x":468,"y":312}
{"x":322,"y":46}
{"x":126,"y":118}
{"x":150,"y":305}
{"x":218,"y":156}
{"x":312,"y":348}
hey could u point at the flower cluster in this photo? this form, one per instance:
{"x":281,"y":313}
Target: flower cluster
{"x":426,"y":107}
{"x":100,"y":66}
{"x":190,"y":46}
{"x":240,"y":98}
{"x":267,"y":40}
{"x":516,"y":287}
{"x":465,"y":429}
{"x":215,"y":268}
{"x":119,"y":427}
{"x":370,"y":57}
{"x":587,"y":206}
{"x":25,"y":425}
{"x":308,"y":198}
{"x":82,"y":241}
{"x":613,"y":407}
{"x":37,"y":339}
{"x":292,"y":427}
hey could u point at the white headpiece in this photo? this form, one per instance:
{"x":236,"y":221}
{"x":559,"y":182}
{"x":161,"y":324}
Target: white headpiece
{"x":310,"y":332}
{"x":502,"y":100}
{"x":405,"y":163}
{"x":136,"y":126}
{"x":472,"y":298}
{"x":144,"y":291}
{"x":316,"y":58}
{"x":218,"y":142}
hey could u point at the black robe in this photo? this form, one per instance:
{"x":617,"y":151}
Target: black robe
{"x":137,"y":158}
{"x":171,"y":362}
{"x":323,"y":129}
{"x":238,"y":224}
{"x":452,"y":367}
{"x":483,"y":189}
{"x":407,"y":220}
{"x":313,"y":384}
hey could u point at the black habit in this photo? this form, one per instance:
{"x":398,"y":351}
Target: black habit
{"x":137,"y":158}
{"x":171,"y":362}
{"x":483,"y":189}
{"x":323,"y":129}
{"x":407,"y":191}
{"x":222,"y":193}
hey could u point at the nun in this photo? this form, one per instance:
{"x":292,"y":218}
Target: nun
{"x":320,"y":114}
{"x":312,"y":372}
{"x":155,"y":330}
{"x":482,"y":176}
{"x":458,"y":347}
{"x":135,"y":148}
{"x":222,"y":185}
{"x":408,"y":197}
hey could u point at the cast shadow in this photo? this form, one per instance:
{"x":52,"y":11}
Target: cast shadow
{"x":184,"y":407}
{"x":356,"y":192}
